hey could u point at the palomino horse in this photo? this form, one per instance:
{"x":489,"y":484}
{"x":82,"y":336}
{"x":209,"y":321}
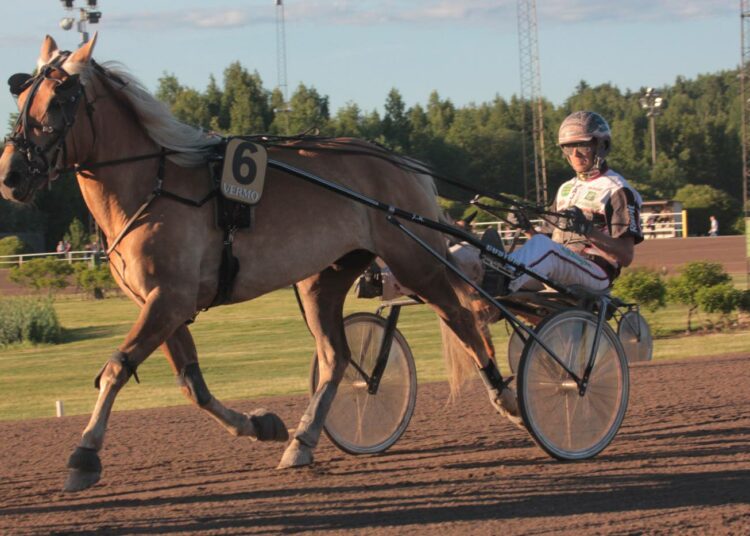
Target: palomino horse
{"x":165,"y":255}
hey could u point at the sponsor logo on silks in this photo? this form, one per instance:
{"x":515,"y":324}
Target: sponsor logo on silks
{"x":565,"y":190}
{"x":590,"y":195}
{"x":635,"y":225}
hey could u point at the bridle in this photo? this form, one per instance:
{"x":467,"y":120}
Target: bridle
{"x":68,"y":94}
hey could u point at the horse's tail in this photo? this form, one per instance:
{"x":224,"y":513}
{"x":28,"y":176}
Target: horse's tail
{"x":459,"y":363}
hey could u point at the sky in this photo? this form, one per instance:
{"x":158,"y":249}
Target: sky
{"x":358,"y":50}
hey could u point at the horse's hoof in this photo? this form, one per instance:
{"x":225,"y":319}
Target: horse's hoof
{"x":268,"y":426}
{"x":79,"y":480}
{"x":296,"y":455}
{"x":85,"y":469}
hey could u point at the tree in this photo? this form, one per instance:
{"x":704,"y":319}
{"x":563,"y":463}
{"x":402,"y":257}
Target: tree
{"x":77,"y":235}
{"x":309,"y":109}
{"x":348,"y":121}
{"x":642,"y":286}
{"x":702,"y":201}
{"x":395,"y":125}
{"x":213,"y":96}
{"x":11,"y":245}
{"x":440,"y":114}
{"x":695,"y":277}
{"x":192,"y":108}
{"x":94,"y":280}
{"x":722,"y":298}
{"x":169,"y":89}
{"x":245,"y":104}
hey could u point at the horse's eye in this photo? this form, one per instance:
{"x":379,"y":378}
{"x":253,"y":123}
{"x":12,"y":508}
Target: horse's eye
{"x":18,"y":82}
{"x":67,"y":87}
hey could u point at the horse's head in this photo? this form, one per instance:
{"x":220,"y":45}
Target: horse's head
{"x":48,"y":104}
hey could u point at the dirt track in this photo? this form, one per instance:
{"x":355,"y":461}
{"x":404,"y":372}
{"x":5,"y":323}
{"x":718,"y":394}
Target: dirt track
{"x":680,"y":465}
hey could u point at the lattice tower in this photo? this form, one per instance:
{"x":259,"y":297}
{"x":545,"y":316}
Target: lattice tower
{"x":281,"y":49}
{"x":532,"y":119}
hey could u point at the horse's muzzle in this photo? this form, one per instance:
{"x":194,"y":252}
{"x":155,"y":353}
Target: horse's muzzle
{"x":16,"y":184}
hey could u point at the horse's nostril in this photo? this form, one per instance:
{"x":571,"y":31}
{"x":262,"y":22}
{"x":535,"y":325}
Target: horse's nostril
{"x":12,"y":179}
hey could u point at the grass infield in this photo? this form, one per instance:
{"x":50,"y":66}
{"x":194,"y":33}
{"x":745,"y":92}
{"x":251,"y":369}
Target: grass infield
{"x":254,"y":349}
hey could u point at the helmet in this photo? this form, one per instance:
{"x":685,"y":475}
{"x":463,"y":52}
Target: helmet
{"x":586,"y":126}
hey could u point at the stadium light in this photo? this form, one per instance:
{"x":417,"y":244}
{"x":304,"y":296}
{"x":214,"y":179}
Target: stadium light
{"x":652,"y":102}
{"x":87,"y":14}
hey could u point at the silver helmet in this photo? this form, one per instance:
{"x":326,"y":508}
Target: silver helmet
{"x":586,"y":126}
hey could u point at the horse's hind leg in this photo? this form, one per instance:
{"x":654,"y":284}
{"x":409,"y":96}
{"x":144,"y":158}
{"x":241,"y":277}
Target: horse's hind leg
{"x":470,"y":335}
{"x":323,"y":298}
{"x":260,"y":424}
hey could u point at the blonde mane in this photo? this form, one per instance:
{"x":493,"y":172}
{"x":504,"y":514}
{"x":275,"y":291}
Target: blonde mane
{"x":194,"y":144}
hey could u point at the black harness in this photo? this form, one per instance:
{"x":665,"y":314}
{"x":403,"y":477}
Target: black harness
{"x":67,"y":95}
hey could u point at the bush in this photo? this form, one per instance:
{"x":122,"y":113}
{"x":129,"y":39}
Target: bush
{"x":642,"y":286}
{"x":46,"y":273}
{"x":454,"y":209}
{"x":723,"y":298}
{"x":94,"y":280}
{"x":11,"y":245}
{"x":744,"y":304}
{"x":28,"y":319}
{"x":695,"y":278}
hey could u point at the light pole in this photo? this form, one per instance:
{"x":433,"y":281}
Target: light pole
{"x":652,"y":103}
{"x":87,"y":14}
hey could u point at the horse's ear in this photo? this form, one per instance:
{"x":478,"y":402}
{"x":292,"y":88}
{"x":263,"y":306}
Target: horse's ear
{"x":83,"y":54}
{"x":49,"y":47}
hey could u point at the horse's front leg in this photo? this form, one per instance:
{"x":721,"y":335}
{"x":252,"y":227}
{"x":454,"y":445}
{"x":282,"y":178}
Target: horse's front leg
{"x":260,"y":424}
{"x":159,"y":317}
{"x":323,"y":298}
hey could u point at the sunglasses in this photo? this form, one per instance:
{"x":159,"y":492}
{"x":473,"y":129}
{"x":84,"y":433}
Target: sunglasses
{"x":584,"y":148}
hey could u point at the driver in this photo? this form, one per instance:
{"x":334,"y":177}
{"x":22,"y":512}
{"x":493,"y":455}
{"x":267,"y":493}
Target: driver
{"x":598,"y":237}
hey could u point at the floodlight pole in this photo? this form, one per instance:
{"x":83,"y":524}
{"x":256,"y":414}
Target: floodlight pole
{"x":652,"y":103}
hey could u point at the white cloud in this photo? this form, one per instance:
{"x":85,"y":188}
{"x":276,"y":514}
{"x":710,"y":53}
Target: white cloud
{"x":372,"y":12}
{"x":231,"y":18}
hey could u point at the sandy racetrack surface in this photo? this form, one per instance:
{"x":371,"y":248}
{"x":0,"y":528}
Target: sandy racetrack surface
{"x":680,"y":464}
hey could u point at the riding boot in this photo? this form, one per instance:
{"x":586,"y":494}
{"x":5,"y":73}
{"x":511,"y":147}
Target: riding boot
{"x":494,"y":282}
{"x":492,"y":237}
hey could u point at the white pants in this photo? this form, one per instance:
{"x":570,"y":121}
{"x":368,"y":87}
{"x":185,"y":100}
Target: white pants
{"x":557,"y":263}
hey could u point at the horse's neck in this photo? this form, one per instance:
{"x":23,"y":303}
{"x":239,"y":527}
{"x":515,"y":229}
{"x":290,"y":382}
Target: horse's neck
{"x":114,"y":193}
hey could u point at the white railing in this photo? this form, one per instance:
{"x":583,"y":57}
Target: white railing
{"x":9,"y":261}
{"x":664,"y":225}
{"x":656,"y":225}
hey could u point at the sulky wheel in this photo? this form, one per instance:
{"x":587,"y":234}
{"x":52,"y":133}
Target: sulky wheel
{"x":360,"y":422}
{"x":564,"y":423}
{"x":635,"y":336}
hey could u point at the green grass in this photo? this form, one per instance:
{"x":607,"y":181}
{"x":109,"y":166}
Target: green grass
{"x":254,"y":349}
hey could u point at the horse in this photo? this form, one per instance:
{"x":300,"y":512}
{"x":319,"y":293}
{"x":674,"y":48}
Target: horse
{"x":166,"y":255}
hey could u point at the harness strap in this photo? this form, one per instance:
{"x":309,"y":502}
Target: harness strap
{"x":153,"y":195}
{"x":228,"y":270}
{"x":157,"y":192}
